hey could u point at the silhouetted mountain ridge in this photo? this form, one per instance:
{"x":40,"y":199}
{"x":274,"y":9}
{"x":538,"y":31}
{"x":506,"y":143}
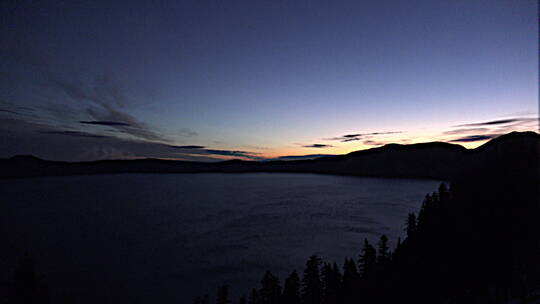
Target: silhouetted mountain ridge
{"x":437,"y":160}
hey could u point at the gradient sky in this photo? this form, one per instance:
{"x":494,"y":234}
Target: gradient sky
{"x":207,"y":80}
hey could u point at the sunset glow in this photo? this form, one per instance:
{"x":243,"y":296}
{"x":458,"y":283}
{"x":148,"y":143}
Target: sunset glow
{"x":263,"y":80}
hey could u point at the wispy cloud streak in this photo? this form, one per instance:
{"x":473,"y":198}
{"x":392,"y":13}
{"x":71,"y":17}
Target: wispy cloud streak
{"x":8,"y":111}
{"x":358,"y":136}
{"x":317,"y":146}
{"x":73,"y":133}
{"x":201,"y":150}
{"x":187,"y":147}
{"x":495,"y":122}
{"x":473,"y":138}
{"x":105,"y":123}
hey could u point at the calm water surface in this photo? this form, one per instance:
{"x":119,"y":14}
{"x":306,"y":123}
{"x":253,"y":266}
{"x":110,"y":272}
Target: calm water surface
{"x":153,"y":237}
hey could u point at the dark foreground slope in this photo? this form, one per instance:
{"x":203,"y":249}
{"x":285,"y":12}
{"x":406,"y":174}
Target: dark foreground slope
{"x":480,"y":243}
{"x":477,"y":242}
{"x":428,"y":160}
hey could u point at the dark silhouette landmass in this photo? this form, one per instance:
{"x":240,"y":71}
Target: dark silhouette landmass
{"x":434,"y":160}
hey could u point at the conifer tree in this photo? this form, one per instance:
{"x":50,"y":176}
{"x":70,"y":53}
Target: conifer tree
{"x":411,"y":224}
{"x":270,"y":292}
{"x":291,"y":290}
{"x":311,"y":282}
{"x":367,"y":260}
{"x":336,"y":271}
{"x":443,"y":190}
{"x":331,"y":281}
{"x":435,"y":197}
{"x":425,"y":209}
{"x":384,"y":255}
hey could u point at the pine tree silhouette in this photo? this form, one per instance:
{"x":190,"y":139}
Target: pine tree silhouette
{"x":331,"y":281}
{"x":424,"y":210}
{"x":435,"y":197}
{"x":291,"y":291}
{"x":270,"y":292}
{"x":411,"y":224}
{"x":444,"y":193}
{"x":367,"y":260}
{"x":384,"y":254}
{"x":311,"y":282}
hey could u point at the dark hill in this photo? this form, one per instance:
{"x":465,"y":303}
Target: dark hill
{"x":435,"y":160}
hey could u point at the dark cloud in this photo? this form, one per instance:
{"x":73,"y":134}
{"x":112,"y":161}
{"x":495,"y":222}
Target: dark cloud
{"x":351,"y":135}
{"x":384,"y":133}
{"x":488,"y":128}
{"x":200,"y":150}
{"x":358,"y":136}
{"x":317,"y":146}
{"x":132,"y":126}
{"x":492,"y":122}
{"x":473,"y":138}
{"x":73,"y":133}
{"x":101,"y":100}
{"x":464,"y":131}
{"x":250,"y":155}
{"x":105,"y":123}
{"x":105,"y":100}
{"x":9,"y":107}
{"x":8,"y":111}
{"x":301,"y":157}
{"x":187,"y":147}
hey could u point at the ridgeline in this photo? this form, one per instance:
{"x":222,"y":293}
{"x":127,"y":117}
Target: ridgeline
{"x":442,"y":161}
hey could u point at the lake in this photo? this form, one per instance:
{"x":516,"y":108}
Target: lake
{"x":147,"y":238}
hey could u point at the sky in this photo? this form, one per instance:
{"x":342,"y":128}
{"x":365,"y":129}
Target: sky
{"x":213,"y":80}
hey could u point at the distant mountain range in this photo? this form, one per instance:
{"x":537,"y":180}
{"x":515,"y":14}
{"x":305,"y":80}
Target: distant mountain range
{"x":515,"y":152}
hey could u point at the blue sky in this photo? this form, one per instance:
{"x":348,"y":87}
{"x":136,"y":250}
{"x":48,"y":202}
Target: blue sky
{"x":261,"y":79}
